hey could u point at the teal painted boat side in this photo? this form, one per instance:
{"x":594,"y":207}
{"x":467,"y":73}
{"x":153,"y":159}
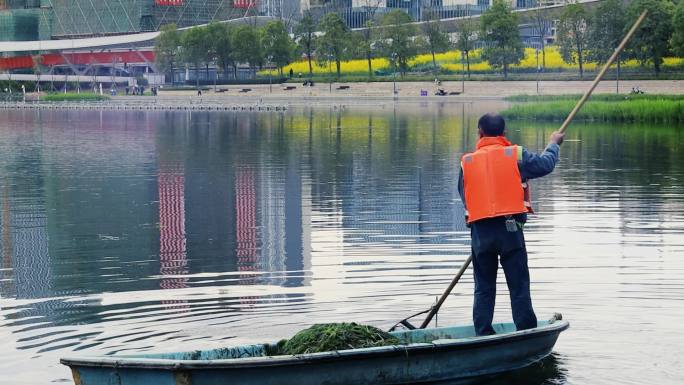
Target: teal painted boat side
{"x":451,"y":353}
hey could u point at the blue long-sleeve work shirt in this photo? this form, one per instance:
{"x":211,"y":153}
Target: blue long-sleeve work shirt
{"x":531,"y":166}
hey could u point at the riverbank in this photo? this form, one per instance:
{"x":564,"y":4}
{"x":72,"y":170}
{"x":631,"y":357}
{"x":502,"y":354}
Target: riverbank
{"x":262,"y":97}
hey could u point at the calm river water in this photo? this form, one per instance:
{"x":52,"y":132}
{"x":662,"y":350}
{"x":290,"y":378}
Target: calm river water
{"x":137,"y":232}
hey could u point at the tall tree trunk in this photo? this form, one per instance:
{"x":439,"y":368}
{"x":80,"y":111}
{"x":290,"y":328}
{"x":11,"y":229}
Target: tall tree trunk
{"x":207,"y":71}
{"x":337,"y":62}
{"x":370,"y":63}
{"x":617,"y":76}
{"x":543,"y":44}
{"x":468,"y":62}
{"x":505,"y":68}
{"x":308,"y":56}
{"x":434,"y":62}
{"x":580,"y":61}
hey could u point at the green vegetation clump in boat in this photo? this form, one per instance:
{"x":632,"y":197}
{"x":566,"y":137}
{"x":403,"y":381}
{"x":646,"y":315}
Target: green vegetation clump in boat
{"x":332,"y":336}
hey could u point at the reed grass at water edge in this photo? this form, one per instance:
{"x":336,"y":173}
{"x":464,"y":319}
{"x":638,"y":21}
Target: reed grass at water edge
{"x":601,"y":108}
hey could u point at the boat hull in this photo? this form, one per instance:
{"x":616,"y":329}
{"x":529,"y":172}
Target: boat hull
{"x":447,"y":359}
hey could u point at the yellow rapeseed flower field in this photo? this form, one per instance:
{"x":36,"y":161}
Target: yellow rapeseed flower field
{"x":451,"y":62}
{"x":358,"y":66}
{"x":445,"y":57}
{"x":554,"y":60}
{"x":482,"y":66}
{"x":673,"y":62}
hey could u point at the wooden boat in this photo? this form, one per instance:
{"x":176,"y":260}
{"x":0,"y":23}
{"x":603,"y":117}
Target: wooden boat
{"x":428,"y":355}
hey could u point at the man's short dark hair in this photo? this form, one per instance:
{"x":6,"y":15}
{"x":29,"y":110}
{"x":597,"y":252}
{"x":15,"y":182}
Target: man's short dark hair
{"x":492,"y":124}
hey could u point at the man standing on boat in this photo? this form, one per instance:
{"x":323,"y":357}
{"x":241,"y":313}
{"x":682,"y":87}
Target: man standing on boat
{"x":493,"y":187}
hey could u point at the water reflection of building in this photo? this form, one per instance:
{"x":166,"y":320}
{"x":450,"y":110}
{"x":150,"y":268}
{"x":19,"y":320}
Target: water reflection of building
{"x":32,"y":267}
{"x":29,"y":270}
{"x":273,"y":204}
{"x":294,"y":224}
{"x":246,"y":226}
{"x":6,"y":273}
{"x":26,"y":257}
{"x":243,"y":197}
{"x":172,"y":243}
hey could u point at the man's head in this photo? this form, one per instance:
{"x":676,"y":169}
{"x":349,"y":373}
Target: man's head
{"x":491,"y":124}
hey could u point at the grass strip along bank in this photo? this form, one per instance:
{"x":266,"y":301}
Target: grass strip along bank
{"x":600,"y":108}
{"x":74,"y":97}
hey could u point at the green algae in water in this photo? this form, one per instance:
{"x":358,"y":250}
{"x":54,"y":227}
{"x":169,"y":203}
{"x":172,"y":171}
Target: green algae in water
{"x":332,"y":336}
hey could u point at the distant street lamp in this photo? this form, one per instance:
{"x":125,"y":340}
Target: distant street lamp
{"x":617,"y":77}
{"x":270,"y":74}
{"x":394,"y":75}
{"x":330,"y":57}
{"x":463,"y":54}
{"x":538,"y":68}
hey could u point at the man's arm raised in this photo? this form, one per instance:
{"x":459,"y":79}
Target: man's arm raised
{"x":536,"y":166}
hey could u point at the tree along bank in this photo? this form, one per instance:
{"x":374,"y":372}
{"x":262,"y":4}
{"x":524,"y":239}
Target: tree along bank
{"x":393,"y":44}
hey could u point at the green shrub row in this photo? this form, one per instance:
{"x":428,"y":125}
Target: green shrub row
{"x":74,"y":97}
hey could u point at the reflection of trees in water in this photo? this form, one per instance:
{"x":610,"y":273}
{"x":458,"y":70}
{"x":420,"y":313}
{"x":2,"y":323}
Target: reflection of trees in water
{"x":636,"y":167}
{"x":390,"y":176}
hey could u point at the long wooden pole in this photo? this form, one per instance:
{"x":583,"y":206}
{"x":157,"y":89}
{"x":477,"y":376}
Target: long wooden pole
{"x":562,"y":129}
{"x":446,"y":293}
{"x":610,"y":61}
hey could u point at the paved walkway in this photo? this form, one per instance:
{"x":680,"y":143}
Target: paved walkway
{"x":412,"y":90}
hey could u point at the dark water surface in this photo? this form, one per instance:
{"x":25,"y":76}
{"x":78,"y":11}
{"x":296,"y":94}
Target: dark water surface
{"x":137,"y":232}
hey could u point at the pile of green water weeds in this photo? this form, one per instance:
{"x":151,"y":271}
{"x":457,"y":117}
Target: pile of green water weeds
{"x":332,"y":336}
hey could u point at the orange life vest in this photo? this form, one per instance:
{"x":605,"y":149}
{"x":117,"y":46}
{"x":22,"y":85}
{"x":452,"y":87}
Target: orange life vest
{"x":491,"y":180}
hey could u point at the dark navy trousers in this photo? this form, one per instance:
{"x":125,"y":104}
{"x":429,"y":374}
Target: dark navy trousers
{"x":491,"y":240}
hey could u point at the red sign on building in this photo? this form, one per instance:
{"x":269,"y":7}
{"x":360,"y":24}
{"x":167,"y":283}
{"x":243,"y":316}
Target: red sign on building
{"x":168,"y":2}
{"x":244,"y":4}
